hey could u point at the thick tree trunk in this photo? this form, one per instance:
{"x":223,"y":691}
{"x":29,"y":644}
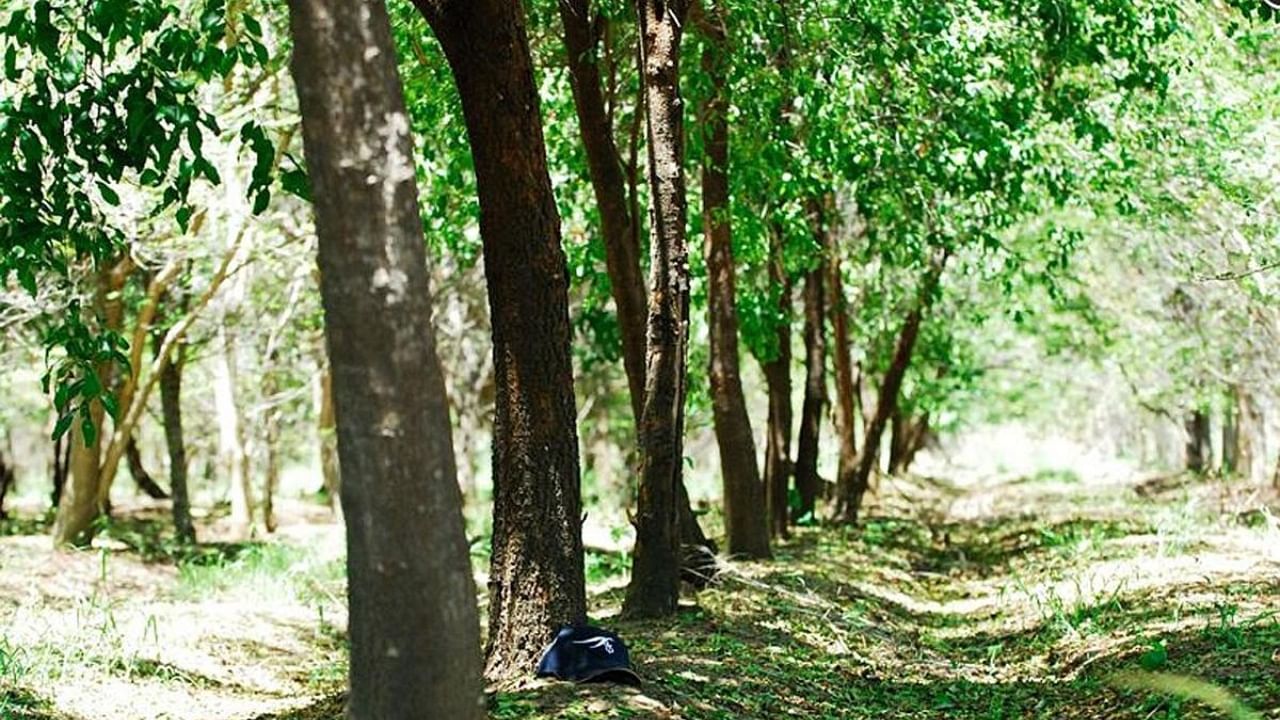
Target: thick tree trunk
{"x":777,"y":376}
{"x":414,"y":632}
{"x":655,"y":580}
{"x":171,"y":409}
{"x":536,"y":578}
{"x":619,"y":228}
{"x":890,"y":386}
{"x":746,"y":525}
{"x":141,"y":477}
{"x":1199,"y":450}
{"x":845,"y":388}
{"x":808,"y":483}
{"x":81,"y":500}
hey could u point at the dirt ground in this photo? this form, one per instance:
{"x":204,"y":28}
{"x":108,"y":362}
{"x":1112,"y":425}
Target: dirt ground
{"x":1049,"y":596}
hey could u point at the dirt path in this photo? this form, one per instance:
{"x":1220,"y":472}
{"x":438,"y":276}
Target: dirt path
{"x":1001,"y":598}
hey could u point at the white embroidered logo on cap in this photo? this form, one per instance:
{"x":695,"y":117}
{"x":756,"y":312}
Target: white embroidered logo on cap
{"x":600,"y":642}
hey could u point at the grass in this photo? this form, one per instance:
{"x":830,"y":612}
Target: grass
{"x":1161,"y":605}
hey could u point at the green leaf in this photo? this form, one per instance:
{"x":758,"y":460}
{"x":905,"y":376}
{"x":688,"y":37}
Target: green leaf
{"x":108,"y":194}
{"x":261,"y":201}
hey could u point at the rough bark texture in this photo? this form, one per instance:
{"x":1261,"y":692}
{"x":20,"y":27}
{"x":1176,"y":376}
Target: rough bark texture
{"x":845,"y":389}
{"x":655,"y":577}
{"x":746,"y":525}
{"x":777,"y":376}
{"x":618,"y":226}
{"x":887,"y":398}
{"x":1199,"y":448}
{"x":808,"y":483}
{"x":536,"y":578}
{"x":414,"y":633}
{"x":141,"y":477}
{"x":171,"y":409}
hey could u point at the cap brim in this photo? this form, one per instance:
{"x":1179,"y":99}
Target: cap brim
{"x":626,"y":676}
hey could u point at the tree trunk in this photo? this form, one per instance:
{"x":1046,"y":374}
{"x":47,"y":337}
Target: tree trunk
{"x":887,"y":398}
{"x":807,"y":481}
{"x":537,"y":514}
{"x":914,"y":433}
{"x":141,"y":477}
{"x":1199,"y":452}
{"x":1251,"y":428}
{"x":846,"y":389}
{"x":171,"y":409}
{"x":326,"y":430}
{"x":1231,"y":421}
{"x":61,"y":467}
{"x":777,"y":376}
{"x":619,"y":228}
{"x":271,"y":438}
{"x":655,"y":580}
{"x":80,"y":502}
{"x":6,"y":482}
{"x":746,"y":525}
{"x":414,"y":631}
{"x":231,"y":451}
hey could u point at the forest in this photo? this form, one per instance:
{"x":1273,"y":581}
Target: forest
{"x":897,"y":359}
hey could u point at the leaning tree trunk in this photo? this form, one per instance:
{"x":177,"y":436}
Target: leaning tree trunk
{"x":807,"y":481}
{"x":171,"y":410}
{"x":846,"y":389}
{"x":536,"y":580}
{"x":891,"y":385}
{"x":79,"y":502}
{"x":620,"y":229}
{"x":746,"y":525}
{"x":414,"y":631}
{"x":654,"y":590}
{"x":141,"y":477}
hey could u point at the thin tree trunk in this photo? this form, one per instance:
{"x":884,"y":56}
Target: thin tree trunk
{"x":1198,"y":449}
{"x":271,"y":437}
{"x":845,"y":388}
{"x":807,"y":481}
{"x":1251,"y":425}
{"x":604,"y":165}
{"x":325,"y":428}
{"x":414,"y":631}
{"x":6,"y":483}
{"x":1231,"y":443}
{"x":171,"y":409}
{"x":655,"y":580}
{"x":620,"y":230}
{"x":231,"y":451}
{"x":746,"y":525}
{"x":537,"y":514}
{"x":141,"y":477}
{"x":777,"y":376}
{"x":61,"y":467}
{"x":899,"y":430}
{"x":887,"y":398}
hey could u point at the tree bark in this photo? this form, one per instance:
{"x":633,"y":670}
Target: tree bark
{"x":231,"y":450}
{"x":141,"y":477}
{"x":1199,"y":452}
{"x":61,"y":467}
{"x":618,"y":226}
{"x":845,"y":388}
{"x":271,"y":439}
{"x":414,"y":632}
{"x":746,"y":525}
{"x":655,"y":579}
{"x":777,"y":376}
{"x":82,"y":499}
{"x":536,"y":578}
{"x":1251,"y":428}
{"x":806,"y":469}
{"x":1231,"y":435}
{"x":326,"y":429}
{"x":171,"y":410}
{"x":6,"y":482}
{"x":887,"y":398}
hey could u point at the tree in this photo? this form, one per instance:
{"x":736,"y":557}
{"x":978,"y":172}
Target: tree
{"x":536,"y":580}
{"x":654,"y":589}
{"x":746,"y":526}
{"x":413,"y":626}
{"x":808,"y":484}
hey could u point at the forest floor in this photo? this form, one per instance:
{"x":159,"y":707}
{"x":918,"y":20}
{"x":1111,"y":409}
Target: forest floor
{"x":1047,"y":596}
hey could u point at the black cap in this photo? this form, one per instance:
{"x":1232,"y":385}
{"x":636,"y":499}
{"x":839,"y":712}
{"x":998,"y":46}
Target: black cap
{"x":583,"y":653}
